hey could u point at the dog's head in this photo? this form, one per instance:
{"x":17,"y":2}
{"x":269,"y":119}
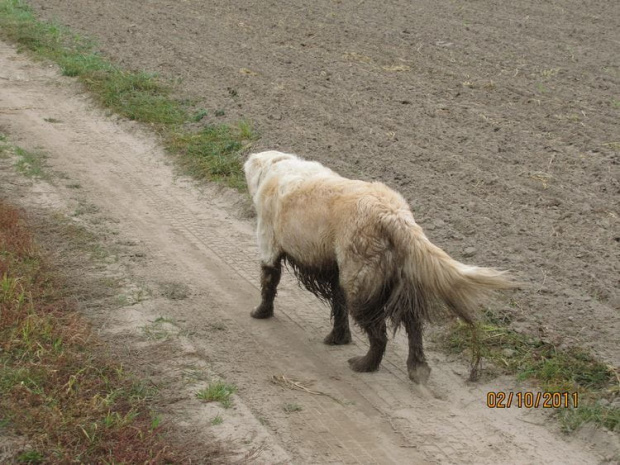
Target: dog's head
{"x":258,"y":165}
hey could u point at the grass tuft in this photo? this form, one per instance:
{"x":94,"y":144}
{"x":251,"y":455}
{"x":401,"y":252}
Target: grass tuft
{"x":31,"y":163}
{"x":218,"y":391}
{"x":199,"y":115}
{"x":212,"y":152}
{"x":30,"y":457}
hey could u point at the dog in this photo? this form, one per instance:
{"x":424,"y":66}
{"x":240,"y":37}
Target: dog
{"x":356,"y":246}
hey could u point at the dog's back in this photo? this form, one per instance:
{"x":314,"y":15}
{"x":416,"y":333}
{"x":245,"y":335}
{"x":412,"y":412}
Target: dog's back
{"x":315,"y":213}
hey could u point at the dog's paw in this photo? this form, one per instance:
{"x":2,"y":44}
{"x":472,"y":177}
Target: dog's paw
{"x":363,"y":364}
{"x":337,"y":338}
{"x":420,"y":373}
{"x":262,"y":312}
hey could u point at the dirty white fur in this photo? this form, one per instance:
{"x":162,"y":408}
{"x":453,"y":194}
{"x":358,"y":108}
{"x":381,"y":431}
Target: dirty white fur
{"x":322,"y":220}
{"x":309,"y":212}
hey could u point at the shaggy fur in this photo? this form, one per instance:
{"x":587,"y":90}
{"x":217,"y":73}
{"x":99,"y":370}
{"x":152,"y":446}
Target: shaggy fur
{"x":356,"y":245}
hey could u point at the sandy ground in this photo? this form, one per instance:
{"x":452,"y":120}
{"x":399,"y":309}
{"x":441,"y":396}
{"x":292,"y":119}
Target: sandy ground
{"x":184,"y":253}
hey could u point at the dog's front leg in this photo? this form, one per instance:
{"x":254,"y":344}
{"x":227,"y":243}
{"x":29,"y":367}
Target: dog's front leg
{"x":271,"y":269}
{"x":270,"y":278}
{"x":341,"y":333}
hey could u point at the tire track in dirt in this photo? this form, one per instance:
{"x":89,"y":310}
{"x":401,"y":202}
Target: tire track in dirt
{"x":382,"y":417}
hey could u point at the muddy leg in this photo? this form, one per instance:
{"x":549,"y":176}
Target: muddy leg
{"x":377,"y":335}
{"x":341,"y":334}
{"x":270,"y":278}
{"x":419,"y":371}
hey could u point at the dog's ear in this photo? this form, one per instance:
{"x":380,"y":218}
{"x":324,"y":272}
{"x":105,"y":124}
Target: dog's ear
{"x":253,"y":169}
{"x":259,"y":165}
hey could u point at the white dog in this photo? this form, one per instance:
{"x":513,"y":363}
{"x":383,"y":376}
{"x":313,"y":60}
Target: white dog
{"x":356,"y":245}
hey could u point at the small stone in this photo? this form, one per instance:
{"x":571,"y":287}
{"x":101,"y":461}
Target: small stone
{"x":469,"y":252}
{"x":508,"y":353}
{"x":570,"y":318}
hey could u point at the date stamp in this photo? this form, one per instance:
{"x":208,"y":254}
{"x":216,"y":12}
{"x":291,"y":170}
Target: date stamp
{"x":530,"y":399}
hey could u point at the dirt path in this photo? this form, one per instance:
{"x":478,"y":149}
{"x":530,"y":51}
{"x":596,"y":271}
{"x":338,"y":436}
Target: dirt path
{"x":187,"y":235}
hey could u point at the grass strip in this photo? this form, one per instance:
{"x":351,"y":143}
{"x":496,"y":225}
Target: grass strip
{"x":206,"y":148}
{"x":73,"y":405}
{"x":551,"y":368}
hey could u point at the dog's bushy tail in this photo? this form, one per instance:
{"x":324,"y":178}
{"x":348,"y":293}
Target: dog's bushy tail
{"x":428,"y":277}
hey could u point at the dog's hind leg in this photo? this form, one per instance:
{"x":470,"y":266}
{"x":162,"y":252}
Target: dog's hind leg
{"x":340,"y":334}
{"x":270,"y":278}
{"x":365,"y":302}
{"x":377,"y":335}
{"x":419,"y":371}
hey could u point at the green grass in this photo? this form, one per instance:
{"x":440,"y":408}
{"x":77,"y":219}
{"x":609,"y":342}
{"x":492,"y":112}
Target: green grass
{"x":31,"y":163}
{"x":70,"y":402}
{"x":217,"y":420}
{"x":550,"y":368}
{"x":199,"y":115}
{"x":594,"y":413}
{"x":218,"y":391}
{"x":31,"y":457}
{"x":212,"y":151}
